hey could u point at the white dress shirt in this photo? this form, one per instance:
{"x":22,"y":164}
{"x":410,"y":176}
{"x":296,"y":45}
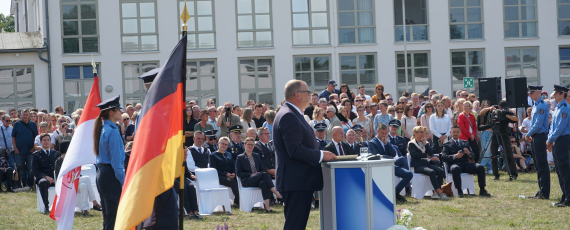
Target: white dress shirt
{"x":299,"y":111}
{"x":190,"y":163}
{"x":336,"y":145}
{"x":440,"y":125}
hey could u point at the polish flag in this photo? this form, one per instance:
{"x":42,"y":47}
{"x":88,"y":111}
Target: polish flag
{"x":80,"y":152}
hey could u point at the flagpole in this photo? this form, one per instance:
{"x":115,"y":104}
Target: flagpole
{"x":185,"y":16}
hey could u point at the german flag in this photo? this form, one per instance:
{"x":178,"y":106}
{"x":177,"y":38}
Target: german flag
{"x":156,"y":155}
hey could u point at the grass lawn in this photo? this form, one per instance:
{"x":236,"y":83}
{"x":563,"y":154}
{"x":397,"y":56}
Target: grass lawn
{"x":504,"y":210}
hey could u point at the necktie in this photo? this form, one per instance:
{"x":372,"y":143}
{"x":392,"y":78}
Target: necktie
{"x":47,"y":152}
{"x":340,"y":152}
{"x":199,"y":150}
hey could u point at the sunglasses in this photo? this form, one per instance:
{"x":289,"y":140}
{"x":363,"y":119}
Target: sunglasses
{"x":211,"y":138}
{"x":344,"y":87}
{"x":367,"y":107}
{"x":401,"y":103}
{"x":389,"y":99}
{"x":61,"y":121}
{"x":513,"y":142}
{"x":360,"y":110}
{"x":399,"y":111}
{"x":429,"y":106}
{"x":7,"y":120}
{"x":391,"y":111}
{"x":125,"y":119}
{"x":343,"y":98}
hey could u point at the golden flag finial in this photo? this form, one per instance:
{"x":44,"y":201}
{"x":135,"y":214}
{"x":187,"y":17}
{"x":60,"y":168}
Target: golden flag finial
{"x":185,"y":16}
{"x":93,"y":65}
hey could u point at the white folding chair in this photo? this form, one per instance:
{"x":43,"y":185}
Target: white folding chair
{"x":210,"y":193}
{"x":421,"y":184}
{"x":249,"y":197}
{"x":467,"y":181}
{"x":51,"y":196}
{"x":396,"y":181}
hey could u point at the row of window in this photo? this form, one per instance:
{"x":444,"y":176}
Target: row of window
{"x":257,"y":75}
{"x":310,"y":22}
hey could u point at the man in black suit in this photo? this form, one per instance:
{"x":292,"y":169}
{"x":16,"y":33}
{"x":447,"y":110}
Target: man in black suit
{"x":43,"y":165}
{"x":298,"y":172}
{"x":264,"y":147}
{"x":211,"y":140}
{"x":236,"y":147}
{"x":337,"y":146}
{"x":456,"y":153}
{"x":320,"y":133}
{"x":354,"y":146}
{"x":401,"y":144}
{"x":198,"y":156}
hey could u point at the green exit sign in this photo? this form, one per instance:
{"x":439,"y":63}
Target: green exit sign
{"x":468,"y":82}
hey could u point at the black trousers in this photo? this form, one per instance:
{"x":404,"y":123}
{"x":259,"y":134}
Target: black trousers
{"x":8,"y":175}
{"x":43,"y":186}
{"x":508,"y":152}
{"x":471,"y":168}
{"x":475,"y":148}
{"x":562,"y":165}
{"x":261,"y":180}
{"x":435,"y":173}
{"x":190,"y":198}
{"x":437,"y":146}
{"x":110,"y":190}
{"x":297,"y":209}
{"x":232,"y":183}
{"x":541,"y":163}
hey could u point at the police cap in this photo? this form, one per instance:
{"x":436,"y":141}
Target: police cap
{"x":559,"y":88}
{"x":532,"y":88}
{"x":395,"y":123}
{"x":236,"y":128}
{"x":111,"y":103}
{"x":149,"y":76}
{"x":320,"y":127}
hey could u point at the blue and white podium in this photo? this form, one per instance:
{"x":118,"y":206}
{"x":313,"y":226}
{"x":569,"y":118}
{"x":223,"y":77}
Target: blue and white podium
{"x":358,"y":195}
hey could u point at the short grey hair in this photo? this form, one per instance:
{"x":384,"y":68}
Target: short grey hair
{"x":381,"y":126}
{"x":5,"y":116}
{"x":260,"y":130}
{"x":43,"y":123}
{"x":322,"y":100}
{"x":436,"y":97}
{"x":292,"y":87}
{"x":330,"y":108}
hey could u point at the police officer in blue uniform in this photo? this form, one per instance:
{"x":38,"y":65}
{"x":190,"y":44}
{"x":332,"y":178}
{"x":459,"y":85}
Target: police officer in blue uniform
{"x":401,"y":144}
{"x":109,"y":149}
{"x":559,"y":141}
{"x":211,"y":140}
{"x":320,"y":133}
{"x":236,"y":147}
{"x":538,"y":134}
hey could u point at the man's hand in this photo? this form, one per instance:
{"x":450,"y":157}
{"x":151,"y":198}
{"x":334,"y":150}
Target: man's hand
{"x":466,"y":150}
{"x":32,"y":150}
{"x":442,"y":138}
{"x":253,"y":173}
{"x":192,"y":177}
{"x":328,"y":156}
{"x":232,"y":175}
{"x":549,"y":146}
{"x":384,"y":140}
{"x":434,"y":158}
{"x":272,"y":171}
{"x":16,"y":151}
{"x":528,"y":139}
{"x":51,"y":181}
{"x":229,"y":175}
{"x":228,"y":125}
{"x":472,"y":137}
{"x":458,"y":155}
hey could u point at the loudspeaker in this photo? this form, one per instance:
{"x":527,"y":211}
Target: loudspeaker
{"x":490,"y":89}
{"x":516,"y":92}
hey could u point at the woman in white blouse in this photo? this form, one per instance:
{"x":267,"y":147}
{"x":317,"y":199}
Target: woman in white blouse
{"x":440,"y":126}
{"x":408,"y":121}
{"x":318,"y":117}
{"x":428,"y":111}
{"x":247,"y":122}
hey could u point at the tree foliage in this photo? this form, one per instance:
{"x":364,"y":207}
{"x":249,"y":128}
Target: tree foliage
{"x":6,"y":23}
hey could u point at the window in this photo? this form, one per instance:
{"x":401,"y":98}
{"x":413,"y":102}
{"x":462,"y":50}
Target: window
{"x":201,"y":29}
{"x":358,"y":69}
{"x":139,"y":25}
{"x":523,"y":62}
{"x":315,"y":70}
{"x":467,"y":63}
{"x":520,"y":19}
{"x":416,"y":21}
{"x":310,"y":22}
{"x":77,"y":83}
{"x":465,"y":19}
{"x":254,"y":26}
{"x":201,"y":80}
{"x":257,"y":80}
{"x":80,"y":31}
{"x":17,"y":88}
{"x":419,"y":79}
{"x":563,"y":17}
{"x":565,"y":66}
{"x":356,"y":21}
{"x":134,"y":90}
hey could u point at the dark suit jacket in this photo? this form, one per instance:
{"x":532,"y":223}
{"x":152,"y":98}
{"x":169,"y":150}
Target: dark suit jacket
{"x":450,"y":149}
{"x":417,"y":156}
{"x":236,"y":149}
{"x":43,"y":165}
{"x":267,"y":154}
{"x":224,"y":163}
{"x":298,"y":155}
{"x":243,"y":168}
{"x":201,"y":160}
{"x":401,"y":143}
{"x":375,"y":147}
{"x":345,"y":148}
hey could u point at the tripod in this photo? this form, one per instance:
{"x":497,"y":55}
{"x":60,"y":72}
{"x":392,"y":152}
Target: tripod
{"x":497,"y":133}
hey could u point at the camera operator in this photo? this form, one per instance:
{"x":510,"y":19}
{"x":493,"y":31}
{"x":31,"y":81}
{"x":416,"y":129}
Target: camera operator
{"x":559,"y":138}
{"x":538,"y":134}
{"x":227,"y":119}
{"x":499,"y":122}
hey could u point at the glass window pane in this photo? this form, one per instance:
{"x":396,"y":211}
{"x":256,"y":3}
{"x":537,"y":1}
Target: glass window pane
{"x":456,"y":15}
{"x":72,"y":72}
{"x":511,"y":29}
{"x":364,"y":4}
{"x":529,"y":55}
{"x":244,"y":6}
{"x":321,"y":63}
{"x":191,"y":41}
{"x":24,"y":75}
{"x":245,"y":39}
{"x":246,"y":97}
{"x":147,"y":9}
{"x":511,"y":12}
{"x":527,"y":13}
{"x":130,"y":43}
{"x":319,"y":20}
{"x":318,"y":5}
{"x":564,"y":28}
{"x":300,"y":6}
{"x":422,"y":89}
{"x":71,"y":89}
{"x":346,"y":19}
{"x":205,"y":24}
{"x":473,"y":14}
{"x":263,"y":22}
{"x":208,"y":83}
{"x":88,"y":11}
{"x":473,"y":2}
{"x":6,"y":75}
{"x":189,"y":7}
{"x":304,"y":77}
{"x":524,"y":2}
{"x":148,"y":67}
{"x":528,"y":29}
{"x":476,"y":72}
{"x":513,"y":55}
{"x":564,"y":55}
{"x":298,"y":63}
{"x":420,"y":59}
{"x":475,"y":31}
{"x":320,"y":37}
{"x":131,"y":70}
{"x":511,"y":2}
{"x":87,"y":72}
{"x":6,"y":106}
{"x":476,"y":57}
{"x":401,"y":62}
{"x":149,"y":42}
{"x":192,"y":83}
{"x":263,"y":38}
{"x":420,"y":33}
{"x":265,"y":81}
{"x":132,"y":86}
{"x":206,"y":41}
{"x":70,"y":28}
{"x":204,"y":7}
{"x":402,"y":76}
{"x":301,"y":37}
{"x":266,"y":97}
{"x":345,"y":4}
{"x":458,"y":73}
{"x":367,"y":76}
{"x":563,"y":11}
{"x":246,"y":66}
{"x":261,"y":6}
{"x":365,"y":18}
{"x":421,"y":75}
{"x":514,"y":70}
{"x":456,"y":3}
{"x":322,"y":78}
{"x":299,"y":20}
{"x":69,"y":11}
{"x":530,"y":71}
{"x":458,"y":58}
{"x":130,"y":26}
{"x":207,"y":68}
{"x":191,"y":68}
{"x":565,"y":70}
{"x":89,"y":27}
{"x":346,"y":35}
{"x":247,"y":81}
{"x":303,"y":64}
{"x":6,"y":91}
{"x":264,"y":65}
{"x":245,"y":22}
{"x":348,"y":77}
{"x":148,"y":25}
{"x":366,"y":61}
{"x":457,"y":31}
{"x":347,"y":62}
{"x":399,"y":35}
{"x":366,"y":35}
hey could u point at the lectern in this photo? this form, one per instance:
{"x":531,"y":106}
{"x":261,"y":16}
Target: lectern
{"x":358,"y":195}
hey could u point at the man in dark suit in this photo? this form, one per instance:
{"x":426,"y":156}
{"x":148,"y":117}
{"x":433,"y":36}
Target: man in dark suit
{"x":354,"y":146}
{"x":298,"y":172}
{"x":264,"y":147}
{"x":456,"y":153}
{"x":401,"y":144}
{"x":320,"y":133}
{"x":211,"y":140}
{"x":236,"y":147}
{"x":380,"y":145}
{"x":337,"y":146}
{"x":43,"y":165}
{"x":198,"y":156}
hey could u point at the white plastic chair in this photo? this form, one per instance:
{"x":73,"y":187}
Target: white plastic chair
{"x":396,"y":181}
{"x":210,"y":193}
{"x":51,"y":196}
{"x":421,"y":184}
{"x":249,"y":197}
{"x":467,"y":181}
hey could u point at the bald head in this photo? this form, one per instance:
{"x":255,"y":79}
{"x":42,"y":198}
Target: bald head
{"x":251,"y":133}
{"x":338,"y":133}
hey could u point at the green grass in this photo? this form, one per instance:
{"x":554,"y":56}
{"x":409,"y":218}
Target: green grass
{"x":504,"y":210}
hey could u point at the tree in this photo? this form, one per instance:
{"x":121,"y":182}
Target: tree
{"x":6,"y":23}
